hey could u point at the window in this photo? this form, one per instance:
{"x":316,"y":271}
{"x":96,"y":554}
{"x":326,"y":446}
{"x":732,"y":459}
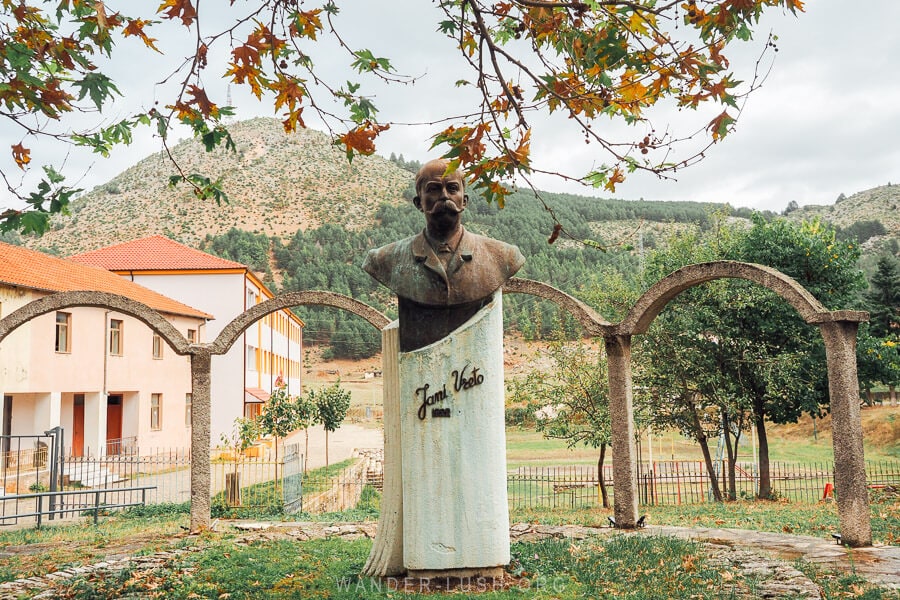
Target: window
{"x":252,"y":410}
{"x":155,"y":412}
{"x":192,"y":336}
{"x":63,"y":332}
{"x":115,"y":337}
{"x":188,"y":405}
{"x":251,"y":358}
{"x":157,"y":346}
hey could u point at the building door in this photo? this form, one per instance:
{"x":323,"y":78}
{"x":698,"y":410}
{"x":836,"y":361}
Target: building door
{"x":114,"y":424}
{"x":78,"y":425}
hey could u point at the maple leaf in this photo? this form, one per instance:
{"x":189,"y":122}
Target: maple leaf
{"x":204,"y":104}
{"x":182,"y":9}
{"x":293,"y":120}
{"x":520,"y":155}
{"x":617,"y":177}
{"x":290,"y":92}
{"x":247,"y":74}
{"x":135,"y":27}
{"x":306,"y":24}
{"x":101,"y":14}
{"x":21,"y":155}
{"x":718,"y":127}
{"x":246,"y":55}
{"x":362,"y":139}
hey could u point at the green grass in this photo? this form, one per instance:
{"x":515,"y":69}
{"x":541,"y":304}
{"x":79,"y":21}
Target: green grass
{"x":528,"y":448}
{"x":616,"y":567}
{"x":53,"y":547}
{"x":838,"y":585}
{"x":265,"y":500}
{"x":819,"y":520}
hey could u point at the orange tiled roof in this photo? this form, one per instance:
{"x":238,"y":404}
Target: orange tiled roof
{"x":21,"y":267}
{"x":154,"y":253}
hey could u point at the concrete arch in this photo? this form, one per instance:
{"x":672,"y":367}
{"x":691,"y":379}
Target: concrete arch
{"x":654,"y":300}
{"x":60,"y":300}
{"x":593,"y":323}
{"x":235,"y":328}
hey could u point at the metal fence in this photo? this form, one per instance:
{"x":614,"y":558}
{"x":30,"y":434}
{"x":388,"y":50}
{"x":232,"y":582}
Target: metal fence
{"x":680,"y":482}
{"x":250,"y":482}
{"x":258,"y":479}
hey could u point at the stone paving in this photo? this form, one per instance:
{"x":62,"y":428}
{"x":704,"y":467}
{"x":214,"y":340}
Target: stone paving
{"x":766,"y":557}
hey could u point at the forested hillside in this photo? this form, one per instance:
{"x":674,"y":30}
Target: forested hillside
{"x":330,"y":257}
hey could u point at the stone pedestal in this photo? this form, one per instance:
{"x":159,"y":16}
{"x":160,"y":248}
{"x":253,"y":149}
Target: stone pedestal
{"x":455,"y":510}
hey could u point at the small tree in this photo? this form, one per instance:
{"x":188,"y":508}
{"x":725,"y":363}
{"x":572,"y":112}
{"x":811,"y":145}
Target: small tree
{"x":571,"y":401}
{"x":307,"y":416}
{"x":332,"y":404}
{"x":243,"y":433}
{"x":279,"y":417}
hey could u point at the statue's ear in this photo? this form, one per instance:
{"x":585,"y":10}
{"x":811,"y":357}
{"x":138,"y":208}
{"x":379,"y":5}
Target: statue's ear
{"x":465,"y":201}
{"x":417,"y":202}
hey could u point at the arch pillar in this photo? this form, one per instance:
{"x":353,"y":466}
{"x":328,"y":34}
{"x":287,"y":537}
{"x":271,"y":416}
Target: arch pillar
{"x":621,"y":415}
{"x":847,"y":435}
{"x":200,"y":442}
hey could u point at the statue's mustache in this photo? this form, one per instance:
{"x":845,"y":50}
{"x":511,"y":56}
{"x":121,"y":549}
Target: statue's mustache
{"x":448,"y":206}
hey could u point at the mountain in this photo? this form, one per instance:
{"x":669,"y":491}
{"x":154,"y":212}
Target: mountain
{"x":877,"y":205}
{"x":276,"y":183}
{"x":279,"y":183}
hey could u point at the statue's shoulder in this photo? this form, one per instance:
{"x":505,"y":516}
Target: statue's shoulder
{"x":381,"y":262}
{"x":506,"y":256}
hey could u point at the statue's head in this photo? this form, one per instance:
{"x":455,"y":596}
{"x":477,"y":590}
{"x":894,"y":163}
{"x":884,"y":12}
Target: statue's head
{"x":440,"y":195}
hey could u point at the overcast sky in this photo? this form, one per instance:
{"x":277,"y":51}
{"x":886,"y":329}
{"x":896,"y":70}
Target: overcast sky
{"x":825,"y":122}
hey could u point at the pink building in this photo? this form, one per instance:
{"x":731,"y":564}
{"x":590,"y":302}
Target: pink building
{"x":242,"y":379}
{"x":105,"y":377}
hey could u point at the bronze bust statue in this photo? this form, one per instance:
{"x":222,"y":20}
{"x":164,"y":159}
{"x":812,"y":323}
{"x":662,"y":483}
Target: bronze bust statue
{"x":445,"y":274}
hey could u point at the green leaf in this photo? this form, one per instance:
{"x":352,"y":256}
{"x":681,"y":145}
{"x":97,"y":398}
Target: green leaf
{"x":53,"y":175}
{"x":447,"y":27}
{"x":98,"y":86}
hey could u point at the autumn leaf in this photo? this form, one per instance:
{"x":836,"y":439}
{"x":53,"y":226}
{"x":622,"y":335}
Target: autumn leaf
{"x":522,"y":153}
{"x":100,"y":9}
{"x":202,"y":101}
{"x":247,"y":74}
{"x":135,"y":27}
{"x":182,"y":9}
{"x":617,"y":177}
{"x":718,"y":127}
{"x":307,"y":24}
{"x":21,"y":155}
{"x":293,"y":120}
{"x":290,"y":92}
{"x":362,"y":139}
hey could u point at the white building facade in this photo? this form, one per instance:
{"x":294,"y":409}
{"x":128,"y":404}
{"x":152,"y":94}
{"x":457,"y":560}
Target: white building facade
{"x":104,"y":377}
{"x":243,"y":378}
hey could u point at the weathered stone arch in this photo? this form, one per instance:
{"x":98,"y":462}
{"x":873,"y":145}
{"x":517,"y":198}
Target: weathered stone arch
{"x":838,"y":329}
{"x":201,"y":355}
{"x":235,"y":328}
{"x":654,"y":300}
{"x":593,"y":323}
{"x":61,"y":300}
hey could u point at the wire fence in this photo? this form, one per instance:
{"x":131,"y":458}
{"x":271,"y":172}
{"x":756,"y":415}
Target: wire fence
{"x":681,"y":482}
